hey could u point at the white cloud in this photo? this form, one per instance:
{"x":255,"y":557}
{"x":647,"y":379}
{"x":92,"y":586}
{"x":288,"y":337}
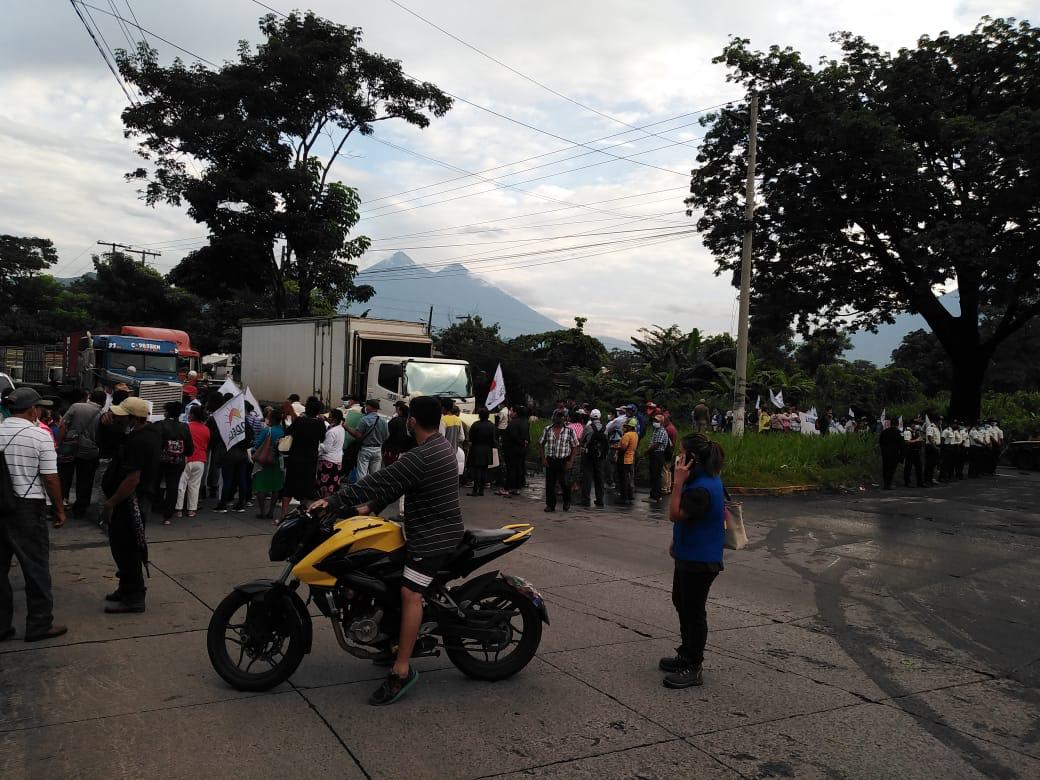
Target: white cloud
{"x":63,"y":154}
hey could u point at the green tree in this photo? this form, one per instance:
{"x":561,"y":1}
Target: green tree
{"x":35,"y":308}
{"x":820,"y":348}
{"x":563,"y":351}
{"x":885,"y":177}
{"x":267,"y":130}
{"x":922,"y":355}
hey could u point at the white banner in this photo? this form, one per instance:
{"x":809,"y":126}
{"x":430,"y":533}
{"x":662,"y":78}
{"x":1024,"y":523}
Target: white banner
{"x":231,"y":421}
{"x":229,"y":386}
{"x":497,"y":392}
{"x":248,"y":395}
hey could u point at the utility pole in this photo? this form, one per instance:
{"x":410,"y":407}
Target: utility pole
{"x":144,"y":253}
{"x":740,"y":386}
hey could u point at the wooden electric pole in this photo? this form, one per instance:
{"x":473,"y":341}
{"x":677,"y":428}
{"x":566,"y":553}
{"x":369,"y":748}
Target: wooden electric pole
{"x":144,"y":253}
{"x":740,"y":386}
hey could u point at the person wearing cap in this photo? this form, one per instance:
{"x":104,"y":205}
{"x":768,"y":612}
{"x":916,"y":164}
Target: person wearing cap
{"x":32,"y":463}
{"x":557,"y":449}
{"x":128,"y":486}
{"x":595,"y":448}
{"x":371,"y":433}
{"x":626,"y":451}
{"x":660,"y":445}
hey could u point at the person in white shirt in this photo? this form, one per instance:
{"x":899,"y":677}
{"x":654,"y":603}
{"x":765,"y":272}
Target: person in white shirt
{"x":946,"y":453}
{"x":932,"y":440}
{"x":330,"y":455}
{"x":32,"y":463}
{"x":976,"y":451}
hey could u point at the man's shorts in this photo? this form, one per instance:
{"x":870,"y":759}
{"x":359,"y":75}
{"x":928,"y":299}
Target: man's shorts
{"x":419,"y":571}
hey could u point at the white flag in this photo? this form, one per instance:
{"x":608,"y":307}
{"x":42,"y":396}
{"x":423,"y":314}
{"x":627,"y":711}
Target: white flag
{"x":883,"y":418}
{"x":758,"y":402}
{"x":779,"y":400}
{"x":231,"y":420}
{"x":229,"y":386}
{"x":900,"y":422}
{"x":852,"y":415}
{"x":927,"y":422}
{"x":497,"y":392}
{"x":251,"y":399}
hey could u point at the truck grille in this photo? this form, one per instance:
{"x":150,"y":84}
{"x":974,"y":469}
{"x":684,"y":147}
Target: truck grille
{"x":160,"y":393}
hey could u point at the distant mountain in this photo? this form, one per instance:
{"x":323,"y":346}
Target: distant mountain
{"x":454,"y":293}
{"x":878,"y":347}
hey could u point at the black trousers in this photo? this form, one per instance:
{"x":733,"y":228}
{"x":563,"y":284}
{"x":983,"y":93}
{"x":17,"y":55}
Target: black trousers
{"x":931,"y":462}
{"x":479,"y":479}
{"x":166,"y":486}
{"x":556,"y":474}
{"x":975,"y":457}
{"x":126,"y":552}
{"x":627,"y":482}
{"x":889,"y":462}
{"x":591,"y":477}
{"x":946,"y":459}
{"x":236,"y":478}
{"x":79,"y":471}
{"x":959,"y":460}
{"x":912,"y":462}
{"x":514,"y":469}
{"x":690,"y":598}
{"x":23,"y":535}
{"x":657,"y":460}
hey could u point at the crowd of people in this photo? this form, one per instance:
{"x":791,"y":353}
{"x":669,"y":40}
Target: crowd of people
{"x":938,"y":451}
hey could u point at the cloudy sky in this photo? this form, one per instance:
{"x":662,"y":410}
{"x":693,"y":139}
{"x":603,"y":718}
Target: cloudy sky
{"x":62,"y":153}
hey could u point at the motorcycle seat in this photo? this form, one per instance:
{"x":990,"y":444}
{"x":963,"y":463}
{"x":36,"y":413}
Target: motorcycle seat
{"x":481,"y":537}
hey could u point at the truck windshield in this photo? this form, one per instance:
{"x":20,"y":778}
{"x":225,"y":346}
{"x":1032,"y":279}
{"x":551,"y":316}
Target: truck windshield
{"x":449,"y":379}
{"x":153,"y":364}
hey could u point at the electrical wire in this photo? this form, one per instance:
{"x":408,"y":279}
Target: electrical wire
{"x":101,"y":51}
{"x":144,"y":38}
{"x":525,"y":76}
{"x":155,"y":35}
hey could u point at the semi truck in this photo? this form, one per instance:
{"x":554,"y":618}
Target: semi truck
{"x":333,"y":357}
{"x":153,"y":362}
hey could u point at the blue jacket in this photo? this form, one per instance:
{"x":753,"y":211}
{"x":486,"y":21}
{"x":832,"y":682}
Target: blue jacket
{"x":702,"y":540}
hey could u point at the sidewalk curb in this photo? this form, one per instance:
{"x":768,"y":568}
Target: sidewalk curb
{"x":787,"y":490}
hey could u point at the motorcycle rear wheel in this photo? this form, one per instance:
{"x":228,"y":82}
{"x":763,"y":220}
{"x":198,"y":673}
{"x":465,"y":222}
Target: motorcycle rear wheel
{"x":487,"y":660}
{"x":268,"y":638}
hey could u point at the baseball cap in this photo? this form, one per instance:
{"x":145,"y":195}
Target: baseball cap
{"x":630,"y":423}
{"x":373,"y":403}
{"x":594,"y":414}
{"x":23,"y":398}
{"x":631,"y":407}
{"x":131,"y":407}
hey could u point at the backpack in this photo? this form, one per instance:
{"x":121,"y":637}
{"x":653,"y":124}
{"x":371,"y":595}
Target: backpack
{"x":172,"y":451}
{"x":598,"y":446}
{"x":8,"y":495}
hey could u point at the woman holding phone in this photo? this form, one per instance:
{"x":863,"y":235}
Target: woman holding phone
{"x":697,"y":512}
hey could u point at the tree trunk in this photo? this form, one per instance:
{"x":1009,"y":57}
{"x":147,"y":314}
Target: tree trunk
{"x":969,"y":371}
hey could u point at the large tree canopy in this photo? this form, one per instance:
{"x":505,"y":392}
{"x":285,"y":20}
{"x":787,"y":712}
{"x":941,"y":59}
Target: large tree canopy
{"x":267,"y":130}
{"x":885,"y":179}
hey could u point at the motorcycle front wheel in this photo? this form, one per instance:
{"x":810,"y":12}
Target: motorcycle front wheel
{"x":497,"y":659}
{"x":255,"y":642}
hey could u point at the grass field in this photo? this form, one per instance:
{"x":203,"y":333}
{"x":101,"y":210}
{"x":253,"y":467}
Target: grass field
{"x":779,"y":460}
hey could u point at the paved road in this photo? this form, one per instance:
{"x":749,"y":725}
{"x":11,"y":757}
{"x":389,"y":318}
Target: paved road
{"x":872,"y":635}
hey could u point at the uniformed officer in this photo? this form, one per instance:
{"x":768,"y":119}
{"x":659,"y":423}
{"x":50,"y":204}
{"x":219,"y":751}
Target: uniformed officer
{"x":977,"y":449}
{"x":913,"y":442}
{"x":947,"y":452}
{"x":932,"y":440}
{"x":998,"y":445}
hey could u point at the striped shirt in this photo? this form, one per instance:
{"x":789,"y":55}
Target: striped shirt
{"x":29,"y":453}
{"x":428,"y":478}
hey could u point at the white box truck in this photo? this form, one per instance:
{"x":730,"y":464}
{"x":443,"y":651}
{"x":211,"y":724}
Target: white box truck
{"x":366,"y":358}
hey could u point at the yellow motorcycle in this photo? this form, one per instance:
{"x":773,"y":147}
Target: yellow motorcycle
{"x":489,"y":626}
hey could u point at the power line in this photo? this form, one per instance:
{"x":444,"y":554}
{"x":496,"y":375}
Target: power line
{"x":547,"y":154}
{"x":526,"y":170}
{"x":523,"y":75}
{"x":93,"y":37}
{"x":518,"y":240}
{"x":146,"y":30}
{"x":123,"y":27}
{"x":144,"y":38}
{"x":517,"y":255}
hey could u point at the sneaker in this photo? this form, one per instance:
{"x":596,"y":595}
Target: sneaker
{"x":221,"y":508}
{"x":238,"y":508}
{"x":684,"y":678}
{"x":393,"y":688}
{"x":114,"y":596}
{"x":191,"y":514}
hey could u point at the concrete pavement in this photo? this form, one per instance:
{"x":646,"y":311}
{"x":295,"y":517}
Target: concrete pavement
{"x":868,"y":635}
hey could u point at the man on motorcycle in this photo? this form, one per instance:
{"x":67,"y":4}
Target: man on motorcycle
{"x":427,"y":477}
